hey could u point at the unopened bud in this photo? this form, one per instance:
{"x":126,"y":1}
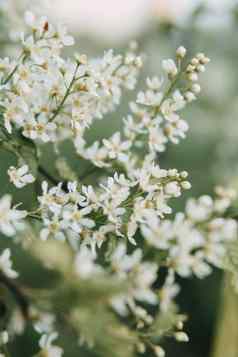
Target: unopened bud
{"x":159,"y":351}
{"x":196,"y":88}
{"x":180,"y":325}
{"x":193,"y":77}
{"x":189,"y":96}
{"x":186,"y":185}
{"x":181,"y":52}
{"x":181,"y":337}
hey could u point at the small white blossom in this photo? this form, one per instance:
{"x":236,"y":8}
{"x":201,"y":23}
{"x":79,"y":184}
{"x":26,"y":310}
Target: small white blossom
{"x":170,"y":67}
{"x":47,"y":348}
{"x":20,"y":176}
{"x":6,"y":264}
{"x":10,"y":218}
{"x":85,"y":266}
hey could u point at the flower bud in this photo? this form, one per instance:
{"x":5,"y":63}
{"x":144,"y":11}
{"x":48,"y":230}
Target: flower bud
{"x":159,"y":351}
{"x":181,"y":337}
{"x":196,"y":88}
{"x":193,"y":77}
{"x":181,"y":52}
{"x":186,"y":185}
{"x":189,"y":96}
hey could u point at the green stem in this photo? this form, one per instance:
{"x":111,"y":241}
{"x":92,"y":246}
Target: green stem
{"x":7,"y":79}
{"x":48,"y":176}
{"x":88,"y":173}
{"x":67,"y":93}
{"x":55,"y":182}
{"x":5,"y":349}
{"x":226,"y":337}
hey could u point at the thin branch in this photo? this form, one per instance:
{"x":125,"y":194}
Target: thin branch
{"x":55,"y":182}
{"x":67,"y":93}
{"x":48,"y":176}
{"x":88,"y":173}
{"x":18,"y":294}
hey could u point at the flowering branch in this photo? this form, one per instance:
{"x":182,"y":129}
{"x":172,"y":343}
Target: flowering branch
{"x":110,"y":239}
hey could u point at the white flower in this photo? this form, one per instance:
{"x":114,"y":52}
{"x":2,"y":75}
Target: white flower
{"x":6,"y":264}
{"x":10,"y":218}
{"x":53,"y":228}
{"x":38,"y":25}
{"x":40,"y":129}
{"x":44,"y":323}
{"x":121,"y":262}
{"x":117,"y":148}
{"x":4,"y":337}
{"x":170,"y":67}
{"x":97,"y":238}
{"x":74,"y":218}
{"x":20,"y":176}
{"x":199,"y":210}
{"x":154,"y":83}
{"x":16,"y":111}
{"x":150,"y":98}
{"x":144,"y":273}
{"x":63,"y":37}
{"x":173,"y":189}
{"x":85,"y":266}
{"x":156,"y":233}
{"x":36,"y":50}
{"x":47,"y":348}
{"x":94,"y":153}
{"x":168,"y":292}
{"x":157,"y":139}
{"x":176,"y":130}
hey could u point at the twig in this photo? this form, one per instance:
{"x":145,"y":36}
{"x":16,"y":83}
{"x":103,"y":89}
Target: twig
{"x":57,"y":111}
{"x":19,"y":296}
{"x":48,"y":176}
{"x":54,"y":181}
{"x":88,"y":173}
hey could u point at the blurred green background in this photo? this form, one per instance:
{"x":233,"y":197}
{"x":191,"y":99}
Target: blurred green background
{"x":209,"y":153}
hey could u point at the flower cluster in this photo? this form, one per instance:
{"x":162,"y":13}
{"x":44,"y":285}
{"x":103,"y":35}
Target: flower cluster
{"x":155,"y":116}
{"x":49,"y":98}
{"x":118,"y":206}
{"x":197,"y":238}
{"x":122,"y":228}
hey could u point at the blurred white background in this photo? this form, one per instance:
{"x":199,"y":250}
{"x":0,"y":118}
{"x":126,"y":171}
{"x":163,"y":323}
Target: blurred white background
{"x":115,"y":20}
